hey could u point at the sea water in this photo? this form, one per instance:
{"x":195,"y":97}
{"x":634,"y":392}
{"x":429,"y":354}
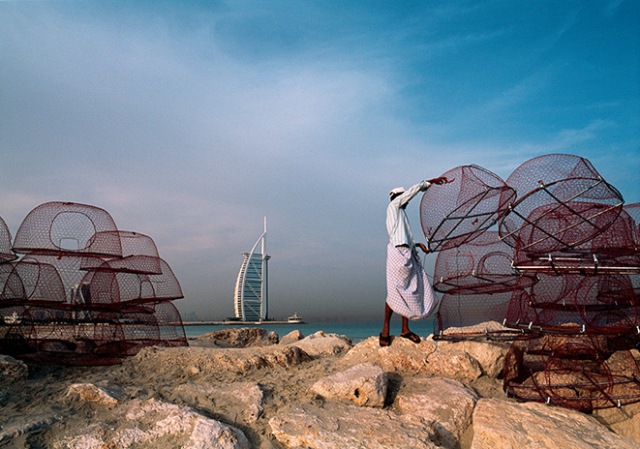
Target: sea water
{"x":356,"y":331}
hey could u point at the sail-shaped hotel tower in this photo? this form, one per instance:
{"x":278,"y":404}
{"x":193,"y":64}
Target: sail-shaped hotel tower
{"x":250,"y":298}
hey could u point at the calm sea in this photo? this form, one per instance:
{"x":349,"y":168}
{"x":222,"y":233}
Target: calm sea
{"x":355,"y":330}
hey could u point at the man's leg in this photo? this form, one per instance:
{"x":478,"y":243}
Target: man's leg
{"x":385,"y":336}
{"x":405,"y":326}
{"x":387,"y":319}
{"x":406,"y":333}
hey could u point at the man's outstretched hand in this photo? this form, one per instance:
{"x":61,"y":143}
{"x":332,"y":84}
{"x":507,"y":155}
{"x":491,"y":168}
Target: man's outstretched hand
{"x":441,"y":180}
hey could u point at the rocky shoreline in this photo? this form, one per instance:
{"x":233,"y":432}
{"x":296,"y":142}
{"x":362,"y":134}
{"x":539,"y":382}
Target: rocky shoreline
{"x":248,"y":388}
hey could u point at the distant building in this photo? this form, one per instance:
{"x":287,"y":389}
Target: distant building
{"x":250,"y":298}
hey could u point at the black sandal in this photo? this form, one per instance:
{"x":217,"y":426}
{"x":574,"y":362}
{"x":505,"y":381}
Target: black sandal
{"x":384,"y":340}
{"x":411,"y":336}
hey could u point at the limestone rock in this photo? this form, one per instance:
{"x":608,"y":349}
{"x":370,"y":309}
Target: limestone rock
{"x":238,"y":338}
{"x":537,"y":425}
{"x":489,"y":354}
{"x":146,"y":424}
{"x":449,"y":362}
{"x":242,"y":399}
{"x":624,"y":421}
{"x":320,"y":344}
{"x":197,"y":362}
{"x":344,"y":426}
{"x":364,"y":384}
{"x":12,"y":369}
{"x":291,"y":337}
{"x":87,"y":392}
{"x":478,"y":329}
{"x":26,"y":425}
{"x":402,"y":356}
{"x":446,"y":402}
{"x":427,"y":357}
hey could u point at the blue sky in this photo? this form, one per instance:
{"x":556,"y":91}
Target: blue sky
{"x":191,"y":121}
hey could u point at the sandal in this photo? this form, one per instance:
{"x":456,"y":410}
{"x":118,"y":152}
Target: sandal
{"x":385,"y":340}
{"x":411,"y":336}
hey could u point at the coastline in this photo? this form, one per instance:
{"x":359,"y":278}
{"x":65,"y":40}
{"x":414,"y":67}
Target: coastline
{"x":234,"y":322}
{"x":356,"y":331}
{"x":236,"y":388}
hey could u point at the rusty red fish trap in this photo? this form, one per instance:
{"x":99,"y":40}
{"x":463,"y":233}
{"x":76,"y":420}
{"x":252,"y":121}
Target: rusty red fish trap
{"x":6,"y":251}
{"x":478,"y":280}
{"x":575,"y":304}
{"x":562,"y":203}
{"x":613,"y":251}
{"x":456,"y":213}
{"x":83,"y":291}
{"x":562,"y":277}
{"x":68,"y":228}
{"x":474,"y":317}
{"x":483,"y":265}
{"x":581,"y":371}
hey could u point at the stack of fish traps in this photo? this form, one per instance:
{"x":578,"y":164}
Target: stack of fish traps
{"x":555,"y":271}
{"x":74,"y":289}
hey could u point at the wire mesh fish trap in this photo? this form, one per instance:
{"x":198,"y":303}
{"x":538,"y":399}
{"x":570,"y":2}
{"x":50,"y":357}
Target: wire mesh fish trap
{"x":563,"y":270}
{"x":615,"y":250}
{"x":459,"y":212}
{"x":562,"y":203}
{"x":29,"y":280}
{"x":139,"y":252}
{"x":474,"y":317}
{"x":575,"y":304}
{"x":126,"y":280}
{"x":579,"y":372}
{"x":85,"y":293}
{"x":6,"y":249}
{"x":483,"y":265}
{"x":65,"y":227}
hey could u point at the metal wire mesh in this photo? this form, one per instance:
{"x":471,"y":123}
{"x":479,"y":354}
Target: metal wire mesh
{"x":580,"y":371}
{"x":573,"y":305}
{"x":457,"y":213}
{"x":126,"y":280}
{"x":483,"y":265}
{"x":562,"y":203}
{"x":605,"y":304}
{"x":84,"y":292}
{"x":139,"y":252}
{"x":32,"y":281}
{"x":615,"y":250}
{"x":472,"y":316}
{"x":6,"y":251}
{"x":58,"y":227}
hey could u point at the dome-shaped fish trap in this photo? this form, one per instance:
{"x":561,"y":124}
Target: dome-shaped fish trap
{"x":562,"y":203}
{"x":458,"y":212}
{"x":615,"y":250}
{"x":139,"y":254}
{"x":117,"y":282}
{"x":574,"y":304}
{"x":29,"y":280}
{"x":6,"y":251}
{"x":483,"y":265}
{"x":64,"y":227}
{"x":85,"y":293}
{"x":473,"y":316}
{"x":560,"y":277}
{"x":578,"y":371}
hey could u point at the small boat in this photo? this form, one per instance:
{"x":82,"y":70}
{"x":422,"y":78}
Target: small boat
{"x":295,"y":318}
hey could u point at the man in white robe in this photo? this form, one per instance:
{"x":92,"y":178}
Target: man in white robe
{"x":409,"y":292}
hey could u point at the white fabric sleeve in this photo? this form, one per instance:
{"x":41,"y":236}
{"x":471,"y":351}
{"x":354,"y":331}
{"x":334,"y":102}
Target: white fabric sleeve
{"x":412,"y":191}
